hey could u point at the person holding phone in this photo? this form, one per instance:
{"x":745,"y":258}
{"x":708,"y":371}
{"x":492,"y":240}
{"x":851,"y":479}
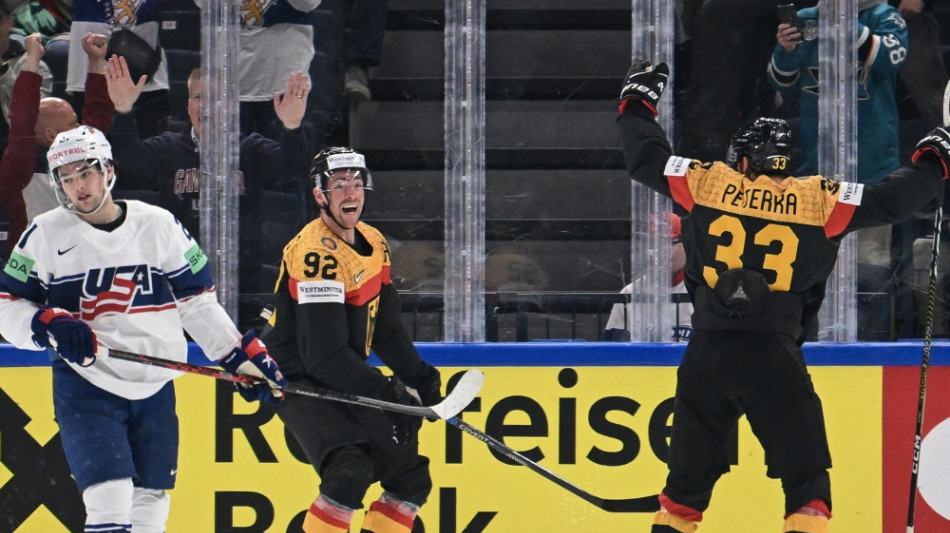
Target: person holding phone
{"x":882,"y":45}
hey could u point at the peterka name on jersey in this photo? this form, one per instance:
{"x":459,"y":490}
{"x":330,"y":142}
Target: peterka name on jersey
{"x":783,"y":203}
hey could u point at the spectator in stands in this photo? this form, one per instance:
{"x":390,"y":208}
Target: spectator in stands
{"x":109,"y":18}
{"x":924,"y":73}
{"x":716,"y":104}
{"x":276,"y":38}
{"x":12,"y":58}
{"x":882,"y":48}
{"x":36,"y":17}
{"x":881,"y":51}
{"x":619,"y":324}
{"x":34,"y":123}
{"x":365,"y":25}
{"x":172,"y":161}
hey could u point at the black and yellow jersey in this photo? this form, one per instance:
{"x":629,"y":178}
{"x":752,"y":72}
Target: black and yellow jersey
{"x":789,"y":231}
{"x":334,"y":303}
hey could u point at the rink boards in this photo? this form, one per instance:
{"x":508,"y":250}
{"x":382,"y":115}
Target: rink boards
{"x":596,"y":414}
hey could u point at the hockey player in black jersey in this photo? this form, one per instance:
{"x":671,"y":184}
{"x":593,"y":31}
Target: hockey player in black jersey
{"x":760,"y":245}
{"x":335,"y":302}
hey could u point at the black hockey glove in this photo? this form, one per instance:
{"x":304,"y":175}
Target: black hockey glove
{"x":428,"y":384}
{"x":405,"y":426}
{"x":644,"y":83}
{"x":936,"y":142}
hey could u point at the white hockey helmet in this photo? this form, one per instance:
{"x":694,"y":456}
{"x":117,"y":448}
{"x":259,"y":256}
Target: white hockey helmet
{"x":336,"y":158}
{"x":84,"y":143}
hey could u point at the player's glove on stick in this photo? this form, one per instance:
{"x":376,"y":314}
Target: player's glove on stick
{"x":936,"y":142}
{"x":428,"y":385}
{"x":645,"y":84}
{"x":405,"y":426}
{"x":72,"y":338}
{"x":252,"y":359}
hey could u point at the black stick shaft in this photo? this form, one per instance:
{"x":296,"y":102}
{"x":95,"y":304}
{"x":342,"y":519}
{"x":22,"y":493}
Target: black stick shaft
{"x":643,"y":504}
{"x":925,"y":360}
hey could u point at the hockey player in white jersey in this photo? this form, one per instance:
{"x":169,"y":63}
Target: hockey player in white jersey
{"x":124,"y":275}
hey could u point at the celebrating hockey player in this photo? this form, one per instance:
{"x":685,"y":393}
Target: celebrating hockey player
{"x":335,"y":302}
{"x":760,"y":245}
{"x":123,"y":275}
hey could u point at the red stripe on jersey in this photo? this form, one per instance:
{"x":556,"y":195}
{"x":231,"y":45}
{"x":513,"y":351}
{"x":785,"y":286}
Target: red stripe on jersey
{"x":292,"y":287}
{"x":679,"y":189}
{"x":152,"y":309}
{"x":199,"y":293}
{"x":839,"y":219}
{"x":369,"y":289}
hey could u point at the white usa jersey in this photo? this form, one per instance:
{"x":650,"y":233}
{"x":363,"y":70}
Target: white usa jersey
{"x":136,"y":286}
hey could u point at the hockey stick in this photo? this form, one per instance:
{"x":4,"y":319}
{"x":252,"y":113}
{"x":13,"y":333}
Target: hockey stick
{"x":642,"y":504}
{"x":464,"y":392}
{"x":928,"y":332}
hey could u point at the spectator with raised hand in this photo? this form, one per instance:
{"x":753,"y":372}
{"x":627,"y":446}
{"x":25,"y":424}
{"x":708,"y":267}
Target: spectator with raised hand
{"x":96,"y":273}
{"x":276,"y":37}
{"x":12,"y":58}
{"x":172,"y":163}
{"x":34,"y":123}
{"x":760,"y":245}
{"x":132,"y":28}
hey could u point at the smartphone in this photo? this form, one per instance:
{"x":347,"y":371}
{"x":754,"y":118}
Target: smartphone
{"x":789,"y":15}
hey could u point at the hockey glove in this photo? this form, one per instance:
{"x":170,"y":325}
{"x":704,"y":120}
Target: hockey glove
{"x":644,"y":83}
{"x":72,"y":338}
{"x":405,"y":426}
{"x":252,"y":359}
{"x":428,"y":384}
{"x":936,"y":142}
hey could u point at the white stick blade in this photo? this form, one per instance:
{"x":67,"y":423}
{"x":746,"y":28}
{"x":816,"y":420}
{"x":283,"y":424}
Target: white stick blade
{"x":946,"y":106}
{"x":467,"y":388}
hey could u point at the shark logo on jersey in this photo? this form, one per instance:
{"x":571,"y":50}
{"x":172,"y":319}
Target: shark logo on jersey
{"x":112,"y":289}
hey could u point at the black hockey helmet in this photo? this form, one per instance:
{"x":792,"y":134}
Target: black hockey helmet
{"x":767,"y":142}
{"x":335,"y":158}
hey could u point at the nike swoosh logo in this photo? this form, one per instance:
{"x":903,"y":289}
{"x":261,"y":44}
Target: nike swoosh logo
{"x":61,"y":252}
{"x":359,"y":276}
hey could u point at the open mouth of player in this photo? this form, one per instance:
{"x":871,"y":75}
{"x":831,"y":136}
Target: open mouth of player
{"x":349,"y":209}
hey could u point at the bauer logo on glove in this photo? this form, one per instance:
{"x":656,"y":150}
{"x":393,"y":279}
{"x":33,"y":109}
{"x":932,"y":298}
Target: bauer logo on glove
{"x":645,"y":83}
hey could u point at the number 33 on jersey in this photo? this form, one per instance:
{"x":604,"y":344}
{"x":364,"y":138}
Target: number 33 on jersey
{"x":786,"y":231}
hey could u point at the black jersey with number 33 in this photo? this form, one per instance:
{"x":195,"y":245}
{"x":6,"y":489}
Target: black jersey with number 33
{"x":789,"y":231}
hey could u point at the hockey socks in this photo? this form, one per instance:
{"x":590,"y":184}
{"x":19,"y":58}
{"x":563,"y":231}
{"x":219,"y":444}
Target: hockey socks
{"x":664,"y":522}
{"x":675,"y":518}
{"x":389,"y":515}
{"x":810,"y":518}
{"x":327,"y":516}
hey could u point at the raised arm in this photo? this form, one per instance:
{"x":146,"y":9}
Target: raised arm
{"x":645,"y":146}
